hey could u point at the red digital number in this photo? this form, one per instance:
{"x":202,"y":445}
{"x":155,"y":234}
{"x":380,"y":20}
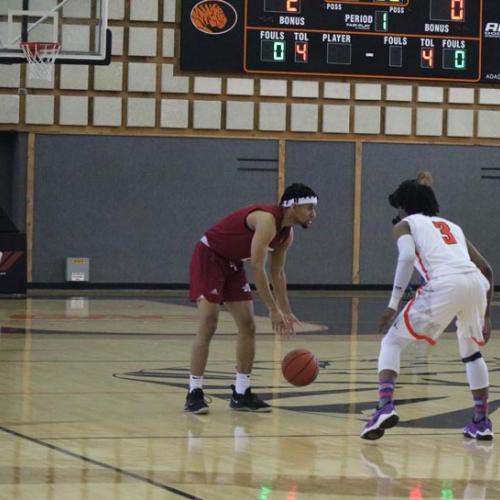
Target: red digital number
{"x":301,"y":52}
{"x":457,"y":10}
{"x":445,"y":230}
{"x":291,"y":5}
{"x":427,"y":58}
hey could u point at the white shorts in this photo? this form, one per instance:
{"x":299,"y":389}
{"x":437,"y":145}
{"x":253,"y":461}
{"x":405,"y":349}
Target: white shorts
{"x":438,"y":302}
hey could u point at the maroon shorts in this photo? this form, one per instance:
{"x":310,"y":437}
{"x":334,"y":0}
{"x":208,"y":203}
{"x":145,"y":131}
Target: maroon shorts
{"x":216,"y":279}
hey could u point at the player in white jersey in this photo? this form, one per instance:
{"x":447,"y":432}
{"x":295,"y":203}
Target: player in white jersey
{"x":459,"y":284}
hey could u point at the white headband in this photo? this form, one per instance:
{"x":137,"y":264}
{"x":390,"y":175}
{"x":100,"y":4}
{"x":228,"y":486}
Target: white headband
{"x":300,"y":201}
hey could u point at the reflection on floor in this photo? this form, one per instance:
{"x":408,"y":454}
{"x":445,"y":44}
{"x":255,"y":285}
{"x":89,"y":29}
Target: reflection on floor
{"x":92,"y":391}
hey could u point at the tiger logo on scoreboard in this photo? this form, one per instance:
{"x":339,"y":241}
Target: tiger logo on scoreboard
{"x":214,"y":17}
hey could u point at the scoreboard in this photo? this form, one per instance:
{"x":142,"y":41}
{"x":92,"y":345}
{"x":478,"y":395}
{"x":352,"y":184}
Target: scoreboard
{"x":439,"y":40}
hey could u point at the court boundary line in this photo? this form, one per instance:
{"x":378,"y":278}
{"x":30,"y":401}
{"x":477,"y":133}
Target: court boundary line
{"x":98,"y":463}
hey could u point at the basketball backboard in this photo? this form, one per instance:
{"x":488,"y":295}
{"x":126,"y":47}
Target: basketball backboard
{"x":80,"y":26}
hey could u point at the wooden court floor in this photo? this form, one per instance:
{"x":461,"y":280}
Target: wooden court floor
{"x":92,"y":390}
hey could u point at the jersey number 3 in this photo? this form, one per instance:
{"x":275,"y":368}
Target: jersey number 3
{"x":445,"y":230}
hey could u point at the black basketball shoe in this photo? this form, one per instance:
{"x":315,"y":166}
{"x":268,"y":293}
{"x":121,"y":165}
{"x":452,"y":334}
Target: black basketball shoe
{"x":248,"y":402}
{"x":195,"y":402}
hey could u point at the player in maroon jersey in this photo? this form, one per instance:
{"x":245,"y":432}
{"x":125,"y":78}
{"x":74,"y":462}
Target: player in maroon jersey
{"x":217,"y":276}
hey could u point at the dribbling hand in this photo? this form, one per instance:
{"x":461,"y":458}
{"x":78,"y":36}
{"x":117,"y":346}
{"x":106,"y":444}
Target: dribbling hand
{"x":281,"y":325}
{"x":291,"y":321}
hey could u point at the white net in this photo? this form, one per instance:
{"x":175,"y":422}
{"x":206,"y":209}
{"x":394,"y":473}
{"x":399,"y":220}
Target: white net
{"x":40,"y":57}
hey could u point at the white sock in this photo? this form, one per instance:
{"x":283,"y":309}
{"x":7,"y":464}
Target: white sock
{"x":242,"y":382}
{"x":195,"y":382}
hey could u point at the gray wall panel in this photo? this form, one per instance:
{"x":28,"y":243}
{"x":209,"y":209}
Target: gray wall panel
{"x":136,"y":206}
{"x":323,"y":253}
{"x":464,"y":196}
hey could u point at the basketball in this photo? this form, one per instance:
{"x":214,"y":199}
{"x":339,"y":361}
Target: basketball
{"x":300,"y":367}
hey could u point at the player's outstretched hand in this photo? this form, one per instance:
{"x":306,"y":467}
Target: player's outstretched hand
{"x":386,"y":320}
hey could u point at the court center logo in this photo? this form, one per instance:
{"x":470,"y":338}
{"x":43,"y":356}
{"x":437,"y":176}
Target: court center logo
{"x":214,"y":17}
{"x":436,"y":384}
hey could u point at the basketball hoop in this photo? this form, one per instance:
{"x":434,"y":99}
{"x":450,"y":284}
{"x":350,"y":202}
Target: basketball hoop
{"x":41,"y":57}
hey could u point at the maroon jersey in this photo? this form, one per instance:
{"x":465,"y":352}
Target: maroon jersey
{"x":231,"y":238}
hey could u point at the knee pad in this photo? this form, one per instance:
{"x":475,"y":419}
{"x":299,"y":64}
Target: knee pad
{"x":472,"y":357}
{"x":390,"y":352}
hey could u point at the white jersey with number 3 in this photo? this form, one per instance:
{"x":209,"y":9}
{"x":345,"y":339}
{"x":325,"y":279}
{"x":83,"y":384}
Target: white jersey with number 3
{"x":441,"y":247}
